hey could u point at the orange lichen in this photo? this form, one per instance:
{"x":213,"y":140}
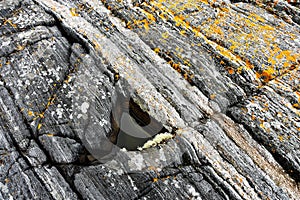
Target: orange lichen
{"x":249,"y":65}
{"x":260,"y":40}
{"x":230,"y":70}
{"x":179,"y":19}
{"x":266,"y":75}
{"x":5,"y":21}
{"x":30,"y":113}
{"x":212,"y":96}
{"x":296,"y":105}
{"x":155,"y":180}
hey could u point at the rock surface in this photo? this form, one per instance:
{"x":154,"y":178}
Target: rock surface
{"x":217,"y":81}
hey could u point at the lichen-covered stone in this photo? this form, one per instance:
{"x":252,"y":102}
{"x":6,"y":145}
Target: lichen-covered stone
{"x":219,"y":80}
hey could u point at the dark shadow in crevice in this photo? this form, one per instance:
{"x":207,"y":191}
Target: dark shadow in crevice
{"x":131,"y":126}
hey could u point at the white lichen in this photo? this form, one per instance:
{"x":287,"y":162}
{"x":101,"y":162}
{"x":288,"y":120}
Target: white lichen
{"x":193,"y":193}
{"x":156,"y":140}
{"x":84,"y":107}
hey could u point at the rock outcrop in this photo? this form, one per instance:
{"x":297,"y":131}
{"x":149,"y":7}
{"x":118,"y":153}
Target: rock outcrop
{"x":149,"y":99}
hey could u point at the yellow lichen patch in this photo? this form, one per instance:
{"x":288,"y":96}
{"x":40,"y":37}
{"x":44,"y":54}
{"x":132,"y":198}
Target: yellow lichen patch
{"x":256,"y":17}
{"x":290,"y":106}
{"x":67,"y":79}
{"x":5,"y":21}
{"x":165,"y":35}
{"x":261,"y":124}
{"x":30,"y":113}
{"x":212,"y":96}
{"x":250,"y":34}
{"x":215,"y":28}
{"x":50,"y":134}
{"x":185,"y":76}
{"x":271,"y":61}
{"x":245,"y":110}
{"x":50,"y":101}
{"x":288,"y":55}
{"x":142,"y":23}
{"x":157,"y":50}
{"x":39,"y":126}
{"x":281,"y":138}
{"x":286,"y":64}
{"x":298,"y":94}
{"x":187,"y":62}
{"x":175,"y":66}
{"x":73,"y":12}
{"x":297,"y":105}
{"x":149,"y":16}
{"x":253,"y":117}
{"x":226,"y":53}
{"x":267,"y":27}
{"x":182,"y":32}
{"x":179,"y":5}
{"x":164,"y":16}
{"x":80,"y":6}
{"x":96,"y":45}
{"x":7,"y":180}
{"x":41,"y":115}
{"x":260,"y":35}
{"x":20,"y":47}
{"x":179,"y":19}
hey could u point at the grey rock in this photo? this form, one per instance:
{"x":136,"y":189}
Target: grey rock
{"x":208,"y":89}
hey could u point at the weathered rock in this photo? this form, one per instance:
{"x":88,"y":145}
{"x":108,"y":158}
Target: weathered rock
{"x":213,"y":84}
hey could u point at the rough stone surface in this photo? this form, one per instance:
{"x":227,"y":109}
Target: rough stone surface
{"x":218,"y":81}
